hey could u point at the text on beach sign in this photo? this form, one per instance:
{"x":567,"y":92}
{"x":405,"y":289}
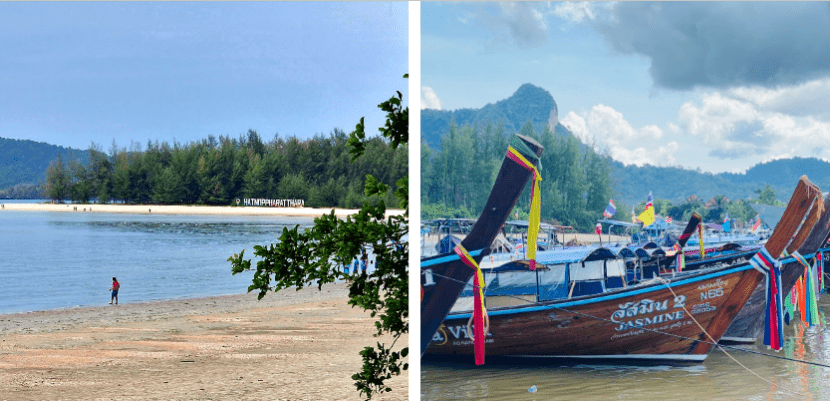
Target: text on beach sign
{"x":271,"y":202}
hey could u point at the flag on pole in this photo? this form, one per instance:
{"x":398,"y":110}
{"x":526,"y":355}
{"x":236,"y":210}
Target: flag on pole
{"x":727,"y":225}
{"x":610,"y":209}
{"x":647,"y":216}
{"x":757,"y":224}
{"x":599,"y":229}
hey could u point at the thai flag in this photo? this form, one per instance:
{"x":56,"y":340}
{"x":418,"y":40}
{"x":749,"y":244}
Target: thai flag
{"x":610,"y":209}
{"x":650,"y":202}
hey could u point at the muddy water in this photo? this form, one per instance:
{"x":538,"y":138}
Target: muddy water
{"x":718,"y":378}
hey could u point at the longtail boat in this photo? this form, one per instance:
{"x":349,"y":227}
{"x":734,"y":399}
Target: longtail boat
{"x":655,"y":320}
{"x":748,"y":324}
{"x":443,"y":277}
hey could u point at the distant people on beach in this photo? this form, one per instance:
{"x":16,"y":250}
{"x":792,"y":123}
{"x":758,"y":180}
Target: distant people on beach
{"x":114,"y":289}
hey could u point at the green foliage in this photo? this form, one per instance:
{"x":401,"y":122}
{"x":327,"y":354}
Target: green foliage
{"x":293,"y":186}
{"x":766,"y":196}
{"x":440,"y":211}
{"x":57,"y":180}
{"x":311,"y":257}
{"x":217,"y":171}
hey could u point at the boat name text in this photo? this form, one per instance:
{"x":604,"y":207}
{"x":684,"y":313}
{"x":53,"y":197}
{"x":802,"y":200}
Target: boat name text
{"x":647,"y":306}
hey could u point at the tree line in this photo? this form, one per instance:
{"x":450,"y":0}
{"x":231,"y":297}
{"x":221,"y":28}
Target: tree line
{"x":716,"y":209}
{"x":576,"y":181}
{"x":217,"y":171}
{"x":456,"y":178}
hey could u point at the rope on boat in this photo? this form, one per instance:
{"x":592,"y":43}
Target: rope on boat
{"x":683,"y":305}
{"x":721,"y":346}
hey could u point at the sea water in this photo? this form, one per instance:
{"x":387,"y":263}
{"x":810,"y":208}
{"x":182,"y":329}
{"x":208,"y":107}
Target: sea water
{"x":51,"y":260}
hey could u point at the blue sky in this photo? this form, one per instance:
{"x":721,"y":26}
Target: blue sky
{"x":76,"y":73}
{"x":701,"y":85}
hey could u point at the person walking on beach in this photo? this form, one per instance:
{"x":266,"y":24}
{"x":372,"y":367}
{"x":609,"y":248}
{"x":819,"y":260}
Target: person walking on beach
{"x":114,"y":289}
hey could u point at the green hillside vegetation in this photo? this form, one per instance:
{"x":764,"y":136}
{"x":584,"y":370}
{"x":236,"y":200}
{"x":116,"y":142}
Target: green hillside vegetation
{"x":456,"y":177}
{"x":25,"y":162}
{"x":218,"y":171}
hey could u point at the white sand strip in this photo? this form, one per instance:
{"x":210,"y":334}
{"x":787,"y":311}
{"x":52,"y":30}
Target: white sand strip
{"x":186,"y":210}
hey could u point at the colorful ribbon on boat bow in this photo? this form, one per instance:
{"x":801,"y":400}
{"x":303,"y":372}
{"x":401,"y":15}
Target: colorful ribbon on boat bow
{"x":535,"y":204}
{"x":774,"y":316}
{"x":681,"y":257}
{"x":820,"y":267}
{"x":809,"y":311}
{"x":479,"y":312}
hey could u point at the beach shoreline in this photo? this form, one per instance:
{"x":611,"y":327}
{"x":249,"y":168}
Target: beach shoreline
{"x":183,"y":209}
{"x":294,"y":345}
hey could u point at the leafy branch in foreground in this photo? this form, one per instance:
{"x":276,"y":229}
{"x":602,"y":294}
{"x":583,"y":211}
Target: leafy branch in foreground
{"x":310,"y":257}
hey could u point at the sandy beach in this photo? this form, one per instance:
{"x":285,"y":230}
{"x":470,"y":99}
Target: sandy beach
{"x":189,"y":210}
{"x":295,"y":345}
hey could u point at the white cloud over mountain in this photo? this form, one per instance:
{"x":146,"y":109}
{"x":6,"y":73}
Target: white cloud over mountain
{"x":429,"y":100}
{"x":608,"y":129}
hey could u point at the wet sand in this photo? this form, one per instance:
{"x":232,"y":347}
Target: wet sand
{"x":295,"y":345}
{"x":187,"y":210}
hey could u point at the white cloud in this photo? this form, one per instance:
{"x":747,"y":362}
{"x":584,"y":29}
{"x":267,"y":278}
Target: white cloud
{"x":610,"y":131}
{"x":809,"y":98}
{"x":575,"y":11}
{"x":429,"y":100}
{"x":746,"y":122}
{"x":579,"y":11}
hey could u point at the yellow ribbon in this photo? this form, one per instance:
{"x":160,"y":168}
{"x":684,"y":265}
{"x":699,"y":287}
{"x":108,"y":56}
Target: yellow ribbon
{"x":535,"y":204}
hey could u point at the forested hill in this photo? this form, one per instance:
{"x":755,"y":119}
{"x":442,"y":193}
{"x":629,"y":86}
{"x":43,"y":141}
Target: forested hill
{"x":25,"y":161}
{"x":529,"y":103}
{"x":630,"y":184}
{"x":674,"y":184}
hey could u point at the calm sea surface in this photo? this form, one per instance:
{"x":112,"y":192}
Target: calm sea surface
{"x":60,"y":260}
{"x":718,"y":378}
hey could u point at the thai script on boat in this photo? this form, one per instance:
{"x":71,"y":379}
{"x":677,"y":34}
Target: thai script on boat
{"x":701,"y":308}
{"x":630,"y":333}
{"x":271,"y":202}
{"x":644,"y":307}
{"x":719,"y":284}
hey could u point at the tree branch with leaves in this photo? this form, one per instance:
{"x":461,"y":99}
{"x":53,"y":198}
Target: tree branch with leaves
{"x":309,"y":257}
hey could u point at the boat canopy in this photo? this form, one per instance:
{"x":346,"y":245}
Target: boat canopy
{"x":623,"y":252}
{"x":575,"y":254}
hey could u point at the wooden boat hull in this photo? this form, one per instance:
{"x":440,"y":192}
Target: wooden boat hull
{"x":642,"y":323}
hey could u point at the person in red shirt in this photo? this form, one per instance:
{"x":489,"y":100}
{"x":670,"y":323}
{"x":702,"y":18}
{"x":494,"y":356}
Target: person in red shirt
{"x":114,"y":289}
